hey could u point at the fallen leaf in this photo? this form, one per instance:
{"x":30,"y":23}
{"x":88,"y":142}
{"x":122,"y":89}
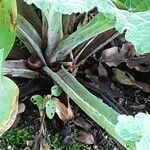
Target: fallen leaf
{"x":81,"y":122}
{"x":64,"y":113}
{"x":123,"y":77}
{"x":144,"y":86}
{"x":21,"y":108}
{"x":85,"y":138}
{"x":141,"y":63}
{"x":102,"y":71}
{"x":113,"y":57}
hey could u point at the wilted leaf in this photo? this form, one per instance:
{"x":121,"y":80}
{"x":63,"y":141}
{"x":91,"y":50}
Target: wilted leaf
{"x":113,"y":57}
{"x":85,"y":138}
{"x":50,"y":108}
{"x":64,"y":113}
{"x":17,"y":68}
{"x":83,"y":123}
{"x":56,"y":90}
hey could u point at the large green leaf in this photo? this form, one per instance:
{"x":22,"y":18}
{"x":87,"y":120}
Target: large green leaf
{"x":134,"y":6}
{"x":64,"y":6}
{"x":8,"y":15}
{"x":9,"y":93}
{"x":135,"y":129}
{"x":138,"y":29}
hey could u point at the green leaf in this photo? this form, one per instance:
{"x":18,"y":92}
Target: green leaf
{"x":138,"y":29}
{"x":39,"y":101}
{"x":144,"y":143}
{"x":1,"y":62}
{"x":9,"y":94}
{"x":56,"y":90}
{"x":134,"y":129}
{"x":64,"y":6}
{"x":50,"y":109}
{"x":8,"y":15}
{"x":134,"y":6}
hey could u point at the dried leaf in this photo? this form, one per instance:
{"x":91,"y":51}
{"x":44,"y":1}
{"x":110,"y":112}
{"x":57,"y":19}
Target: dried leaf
{"x":123,"y":77}
{"x":21,"y":108}
{"x":85,"y":138}
{"x":113,"y":57}
{"x":141,"y":63}
{"x":83,"y":123}
{"x":44,"y":146}
{"x":102,"y":71}
{"x":62,"y":111}
{"x":144,"y":86}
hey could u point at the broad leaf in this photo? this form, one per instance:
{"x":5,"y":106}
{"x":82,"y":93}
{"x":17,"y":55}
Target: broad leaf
{"x":64,"y":6}
{"x":134,"y":6}
{"x":8,"y":15}
{"x":135,"y":129}
{"x":9,"y":94}
{"x":138,"y":29}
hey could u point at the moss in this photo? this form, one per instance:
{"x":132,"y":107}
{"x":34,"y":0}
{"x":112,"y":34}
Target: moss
{"x":73,"y":145}
{"x":16,"y":138}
